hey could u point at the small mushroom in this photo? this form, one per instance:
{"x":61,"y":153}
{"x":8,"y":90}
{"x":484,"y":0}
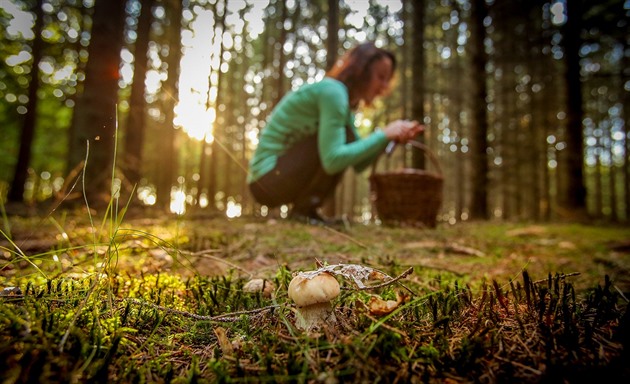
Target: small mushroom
{"x":312,"y":292}
{"x":265,"y":287}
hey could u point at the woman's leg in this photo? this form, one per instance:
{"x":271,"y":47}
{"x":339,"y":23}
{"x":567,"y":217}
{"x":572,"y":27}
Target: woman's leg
{"x":297,"y":179}
{"x":320,"y":188}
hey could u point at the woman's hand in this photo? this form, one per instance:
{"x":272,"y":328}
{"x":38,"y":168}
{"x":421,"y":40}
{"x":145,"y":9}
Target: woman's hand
{"x":402,"y":131}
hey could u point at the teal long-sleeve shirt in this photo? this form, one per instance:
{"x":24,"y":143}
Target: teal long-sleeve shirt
{"x":321,"y":108}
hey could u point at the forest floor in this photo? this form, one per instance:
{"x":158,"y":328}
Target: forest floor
{"x":161,"y":299}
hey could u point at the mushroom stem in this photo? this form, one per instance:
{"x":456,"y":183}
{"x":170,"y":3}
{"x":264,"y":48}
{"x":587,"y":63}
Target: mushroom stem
{"x":313,"y":316}
{"x":312,"y":293}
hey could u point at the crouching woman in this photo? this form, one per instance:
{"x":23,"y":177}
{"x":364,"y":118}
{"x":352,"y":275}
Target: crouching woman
{"x":310,"y":138}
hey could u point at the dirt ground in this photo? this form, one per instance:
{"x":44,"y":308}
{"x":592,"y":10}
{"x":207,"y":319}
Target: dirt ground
{"x":468,"y":252}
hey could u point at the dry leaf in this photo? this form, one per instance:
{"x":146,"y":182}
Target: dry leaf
{"x":380,"y":307}
{"x":376,"y":275}
{"x":11,"y":291}
{"x":353,"y":272}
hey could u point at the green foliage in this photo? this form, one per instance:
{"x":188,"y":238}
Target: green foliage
{"x":60,"y":56}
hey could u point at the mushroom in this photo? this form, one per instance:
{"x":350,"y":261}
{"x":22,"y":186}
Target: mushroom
{"x":312,"y":292}
{"x":265,"y":287}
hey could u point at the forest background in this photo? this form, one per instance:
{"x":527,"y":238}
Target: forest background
{"x":525,"y":102}
{"x":160,"y":103}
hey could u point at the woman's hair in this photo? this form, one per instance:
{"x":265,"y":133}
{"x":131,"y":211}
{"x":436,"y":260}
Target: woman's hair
{"x":354,"y":69}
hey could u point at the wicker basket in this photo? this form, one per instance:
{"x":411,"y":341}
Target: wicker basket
{"x":408,"y":196}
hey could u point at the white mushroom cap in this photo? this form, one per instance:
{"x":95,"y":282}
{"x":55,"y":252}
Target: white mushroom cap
{"x":307,"y":289}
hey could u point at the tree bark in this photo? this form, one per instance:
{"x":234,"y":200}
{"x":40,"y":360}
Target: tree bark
{"x":332,"y":42}
{"x":329,"y":207}
{"x":625,"y":164}
{"x":209,"y":156}
{"x":95,"y":117}
{"x":575,"y":197}
{"x":280,"y":51}
{"x":479,"y":144}
{"x":136,"y":121}
{"x":418,"y":82}
{"x":168,"y":160}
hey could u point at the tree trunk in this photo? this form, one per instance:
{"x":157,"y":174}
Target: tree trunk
{"x":405,"y":61}
{"x":612,"y":178}
{"x":209,"y":151}
{"x":539,"y":125}
{"x":625,"y":164}
{"x":245,"y":201}
{"x":267,"y":58}
{"x":479,"y":144}
{"x":136,"y":122}
{"x":418,"y":81}
{"x":16,"y":191}
{"x":168,"y":161}
{"x":575,"y":198}
{"x":597,"y":184}
{"x":329,"y":207}
{"x":458,"y":193}
{"x":332,"y":43}
{"x":280,"y":51}
{"x":71,"y":166}
{"x":95,"y":111}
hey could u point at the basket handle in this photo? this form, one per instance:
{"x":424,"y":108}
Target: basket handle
{"x":420,"y":146}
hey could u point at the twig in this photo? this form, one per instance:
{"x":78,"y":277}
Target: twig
{"x":442,"y":269}
{"x":206,"y":254}
{"x":520,"y":365}
{"x":389,"y":327}
{"x":357,"y":242}
{"x":621,"y":293}
{"x":563,"y":276}
{"x":357,"y":273}
{"x":388,"y":282}
{"x":226,"y":317}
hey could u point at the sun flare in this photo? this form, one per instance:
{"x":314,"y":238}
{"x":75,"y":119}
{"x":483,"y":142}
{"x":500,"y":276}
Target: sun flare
{"x":195,"y":112}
